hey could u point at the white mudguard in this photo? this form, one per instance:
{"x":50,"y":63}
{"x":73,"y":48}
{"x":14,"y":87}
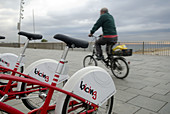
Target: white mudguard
{"x":44,"y":70}
{"x":91,"y":83}
{"x":9,"y":60}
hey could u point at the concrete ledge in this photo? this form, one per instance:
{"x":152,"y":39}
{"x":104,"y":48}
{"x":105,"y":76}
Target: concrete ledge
{"x":44,"y":45}
{"x":9,"y":45}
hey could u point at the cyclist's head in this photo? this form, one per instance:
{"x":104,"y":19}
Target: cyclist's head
{"x":103,"y":10}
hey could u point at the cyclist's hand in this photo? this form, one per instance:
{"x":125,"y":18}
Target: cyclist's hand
{"x":90,"y":35}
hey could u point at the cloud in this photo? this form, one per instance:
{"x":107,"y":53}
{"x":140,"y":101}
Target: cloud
{"x":76,"y":17}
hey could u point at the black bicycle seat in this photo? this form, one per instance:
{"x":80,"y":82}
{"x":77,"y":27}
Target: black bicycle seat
{"x":72,"y":42}
{"x":2,"y":37}
{"x":30,"y":36}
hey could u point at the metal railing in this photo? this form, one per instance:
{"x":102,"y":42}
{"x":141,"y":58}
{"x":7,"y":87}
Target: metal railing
{"x":149,"y":48}
{"x":146,"y":48}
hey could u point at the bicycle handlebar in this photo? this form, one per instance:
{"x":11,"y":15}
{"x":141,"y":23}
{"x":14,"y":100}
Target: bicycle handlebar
{"x":95,"y":37}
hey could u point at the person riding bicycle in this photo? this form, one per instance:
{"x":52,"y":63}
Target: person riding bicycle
{"x":109,"y":37}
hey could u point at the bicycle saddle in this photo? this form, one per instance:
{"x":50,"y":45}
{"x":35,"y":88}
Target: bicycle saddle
{"x":2,"y":37}
{"x":30,"y":36}
{"x":72,"y":42}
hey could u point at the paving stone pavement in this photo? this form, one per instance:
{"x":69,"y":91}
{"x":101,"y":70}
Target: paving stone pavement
{"x":146,"y":90}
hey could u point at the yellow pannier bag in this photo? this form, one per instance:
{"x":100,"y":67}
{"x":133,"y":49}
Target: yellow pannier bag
{"x":121,"y":50}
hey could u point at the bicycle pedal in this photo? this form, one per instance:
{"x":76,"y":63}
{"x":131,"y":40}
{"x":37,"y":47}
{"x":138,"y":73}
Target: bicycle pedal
{"x":17,"y":97}
{"x":42,"y":95}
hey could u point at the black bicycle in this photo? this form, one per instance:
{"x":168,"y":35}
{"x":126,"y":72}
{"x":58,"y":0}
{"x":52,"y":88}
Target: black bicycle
{"x":116,"y":62}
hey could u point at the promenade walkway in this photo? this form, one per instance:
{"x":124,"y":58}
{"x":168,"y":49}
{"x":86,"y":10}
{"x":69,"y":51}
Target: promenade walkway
{"x":145,"y":91}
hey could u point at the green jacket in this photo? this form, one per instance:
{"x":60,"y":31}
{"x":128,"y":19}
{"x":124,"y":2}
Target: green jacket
{"x":106,"y":21}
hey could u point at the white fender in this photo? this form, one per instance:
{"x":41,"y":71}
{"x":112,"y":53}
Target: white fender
{"x":91,"y":83}
{"x":44,"y":70}
{"x":9,"y":60}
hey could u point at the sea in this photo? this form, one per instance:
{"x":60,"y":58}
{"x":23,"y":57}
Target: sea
{"x":145,"y":45}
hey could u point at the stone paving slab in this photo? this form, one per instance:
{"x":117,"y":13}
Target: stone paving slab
{"x":165,"y":109}
{"x":126,"y":83}
{"x":147,"y":103}
{"x":160,"y":97}
{"x":124,"y":96}
{"x":119,"y":108}
{"x":144,"y":111}
{"x":156,"y":90}
{"x":140,"y":92}
{"x":146,"y":90}
{"x":152,"y":79}
{"x":163,"y":86}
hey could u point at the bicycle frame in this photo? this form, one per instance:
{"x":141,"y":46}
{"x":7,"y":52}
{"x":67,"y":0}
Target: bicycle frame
{"x":19,"y":59}
{"x":8,"y":95}
{"x":14,"y":71}
{"x":94,"y":53}
{"x":57,"y":75}
{"x":10,"y":109}
{"x":51,"y":87}
{"x":113,"y":61}
{"x":8,"y":92}
{"x":21,"y":56}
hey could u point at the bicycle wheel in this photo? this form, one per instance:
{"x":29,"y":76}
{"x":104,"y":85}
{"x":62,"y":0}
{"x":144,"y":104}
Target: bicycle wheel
{"x":119,"y":68}
{"x":37,"y":98}
{"x":3,"y":112}
{"x":89,"y":61}
{"x":73,"y":106}
{"x":4,"y":82}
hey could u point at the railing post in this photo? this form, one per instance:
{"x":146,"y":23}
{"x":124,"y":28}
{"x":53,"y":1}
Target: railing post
{"x":143,"y":51}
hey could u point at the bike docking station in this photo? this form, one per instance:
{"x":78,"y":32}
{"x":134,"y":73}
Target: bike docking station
{"x":91,"y":89}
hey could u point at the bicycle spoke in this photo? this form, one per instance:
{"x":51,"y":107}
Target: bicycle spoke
{"x":119,"y":68}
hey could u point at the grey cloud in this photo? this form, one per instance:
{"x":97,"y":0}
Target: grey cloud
{"x":131,"y":16}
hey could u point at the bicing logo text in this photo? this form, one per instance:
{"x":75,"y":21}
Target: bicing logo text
{"x":88,"y":89}
{"x":38,"y":72}
{"x":5,"y":62}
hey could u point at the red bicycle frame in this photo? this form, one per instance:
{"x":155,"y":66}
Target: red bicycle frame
{"x":51,"y":87}
{"x":9,"y":85}
{"x":8,"y":94}
{"x":9,"y":109}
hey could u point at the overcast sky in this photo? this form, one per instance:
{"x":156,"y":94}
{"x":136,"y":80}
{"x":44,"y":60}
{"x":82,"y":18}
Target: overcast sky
{"x":136,"y":20}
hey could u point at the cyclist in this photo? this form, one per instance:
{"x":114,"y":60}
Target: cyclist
{"x":109,"y":37}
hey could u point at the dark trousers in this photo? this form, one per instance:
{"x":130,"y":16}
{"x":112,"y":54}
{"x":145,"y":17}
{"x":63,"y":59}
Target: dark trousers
{"x":109,"y":42}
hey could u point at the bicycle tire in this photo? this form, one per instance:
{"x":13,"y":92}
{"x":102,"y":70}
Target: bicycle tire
{"x":3,"y":112}
{"x":90,"y":62}
{"x":35,"y":100}
{"x":27,"y":102}
{"x":117,"y":68}
{"x":5,"y":82}
{"x":109,"y":106}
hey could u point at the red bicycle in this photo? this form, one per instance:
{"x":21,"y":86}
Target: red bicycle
{"x":42,"y":70}
{"x":10,"y":63}
{"x":89,"y":90}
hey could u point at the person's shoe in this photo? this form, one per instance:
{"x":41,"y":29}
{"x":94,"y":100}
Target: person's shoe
{"x":100,"y":57}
